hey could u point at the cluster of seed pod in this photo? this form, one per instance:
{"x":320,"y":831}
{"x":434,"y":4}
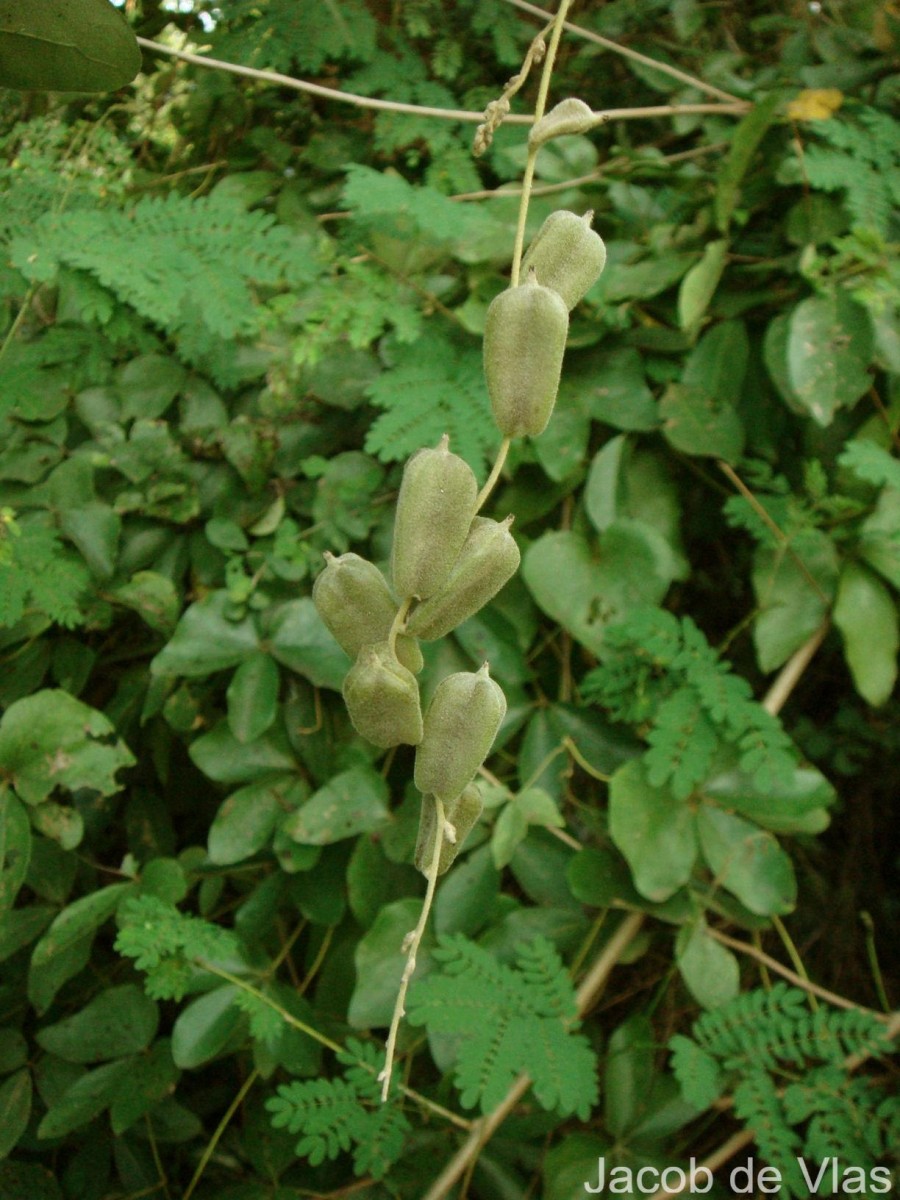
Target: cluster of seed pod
{"x":447,"y":562}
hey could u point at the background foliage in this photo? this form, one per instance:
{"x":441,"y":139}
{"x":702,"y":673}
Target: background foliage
{"x":230,"y":311}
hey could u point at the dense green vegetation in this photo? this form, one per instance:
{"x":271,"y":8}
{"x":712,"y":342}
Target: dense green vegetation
{"x":230,"y":309}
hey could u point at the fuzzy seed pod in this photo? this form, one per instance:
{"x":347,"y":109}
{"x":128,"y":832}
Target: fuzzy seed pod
{"x":569,"y":116}
{"x":488,"y":559}
{"x":462,"y":814}
{"x":460,"y":727}
{"x":524,"y":342}
{"x":382,"y":698}
{"x":434,"y":511}
{"x":566,"y":255}
{"x":353,"y":599}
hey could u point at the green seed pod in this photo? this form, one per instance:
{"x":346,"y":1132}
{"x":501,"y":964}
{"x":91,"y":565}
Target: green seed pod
{"x":524,"y":342}
{"x":353,"y":599}
{"x":569,"y":116}
{"x":434,"y":511}
{"x":566,"y":255}
{"x":382,"y":698}
{"x":462,"y":814}
{"x":460,"y":727}
{"x":487,"y":560}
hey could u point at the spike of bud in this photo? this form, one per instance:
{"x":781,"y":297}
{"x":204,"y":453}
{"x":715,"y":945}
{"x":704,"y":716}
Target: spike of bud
{"x":567,"y":255}
{"x":524,"y":342}
{"x":488,"y":559}
{"x":460,"y":726}
{"x":382,"y":698}
{"x":461,"y":814}
{"x":353,"y":599}
{"x":435,"y":509}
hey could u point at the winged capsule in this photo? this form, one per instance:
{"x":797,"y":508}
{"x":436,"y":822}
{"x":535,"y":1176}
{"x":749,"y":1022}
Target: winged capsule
{"x":353,"y":599}
{"x":462,"y":813}
{"x":567,"y":255}
{"x":524,"y":342}
{"x":382,"y":698}
{"x":435,"y":510}
{"x":488,"y":559}
{"x":459,"y":730}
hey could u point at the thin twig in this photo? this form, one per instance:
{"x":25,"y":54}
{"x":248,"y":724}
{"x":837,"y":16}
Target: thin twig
{"x":219,"y":1130}
{"x":587,"y":995}
{"x":494,"y":475}
{"x":791,"y":672}
{"x":733,"y":107}
{"x":777,"y":532}
{"x":627,"y":52}
{"x":807,"y":985}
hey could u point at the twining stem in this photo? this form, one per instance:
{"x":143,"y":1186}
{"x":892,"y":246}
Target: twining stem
{"x":411,"y":945}
{"x":494,"y":475}
{"x":539,"y":107}
{"x":794,"y":955}
{"x":219,"y":1130}
{"x":398,"y":623}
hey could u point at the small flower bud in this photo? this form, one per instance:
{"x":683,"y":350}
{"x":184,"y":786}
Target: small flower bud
{"x":524,"y":342}
{"x":353,"y":599}
{"x":460,"y":726}
{"x":488,"y":559}
{"x":435,"y":509}
{"x":569,"y":116}
{"x":566,"y":255}
{"x":382,"y":698}
{"x":461,"y":814}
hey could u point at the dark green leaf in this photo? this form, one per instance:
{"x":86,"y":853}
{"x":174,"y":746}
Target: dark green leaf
{"x":82,"y":46}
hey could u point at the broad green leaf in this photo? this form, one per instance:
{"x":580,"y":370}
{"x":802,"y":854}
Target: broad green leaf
{"x":26,"y":1179}
{"x":747,"y":861}
{"x":52,"y":740}
{"x":800,"y":808}
{"x":866,"y":614}
{"x":793,"y":583}
{"x":619,"y":394}
{"x":699,"y":285}
{"x":467,"y":895}
{"x":656,"y":833}
{"x":89,"y":1095}
{"x":373,"y":880}
{"x":14,"y":1051}
{"x":629,"y":1075}
{"x":604,"y":491}
{"x":147,"y":385}
{"x":15,"y":846}
{"x":600,"y":586}
{"x":379,"y":964}
{"x":220,"y":756}
{"x":879,"y":541}
{"x":640,"y":280}
{"x":246,"y":821}
{"x":119,"y":1021}
{"x":59,"y":822}
{"x":79,"y":46}
{"x":253,"y":697}
{"x":15,"y":1109}
{"x":206,"y":640}
{"x":710,"y":970}
{"x":744,"y":143}
{"x":66,"y":946}
{"x":828,"y":352}
{"x":698,"y":412}
{"x":95,"y":529}
{"x":208,"y":1027}
{"x":509,"y":830}
{"x":153,"y":597}
{"x":353,"y":801}
{"x":297,"y":637}
{"x":152,"y":1077}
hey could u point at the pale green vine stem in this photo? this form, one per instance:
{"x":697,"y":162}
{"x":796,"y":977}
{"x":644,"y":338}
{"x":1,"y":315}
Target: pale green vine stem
{"x":794,"y":955}
{"x":327,"y":1042}
{"x":540,"y":105}
{"x":494,"y":475}
{"x":398,"y":623}
{"x":219,"y":1130}
{"x":411,"y":944}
